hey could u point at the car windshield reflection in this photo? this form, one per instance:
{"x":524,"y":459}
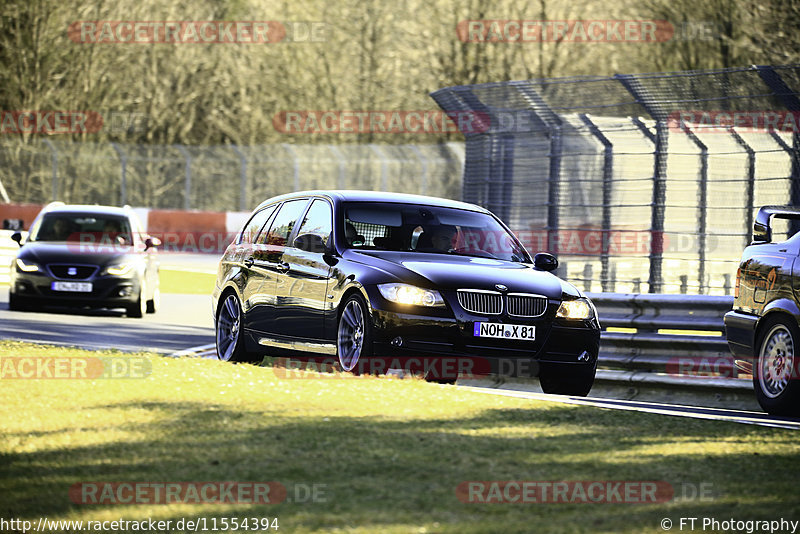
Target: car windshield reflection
{"x":429,"y":229}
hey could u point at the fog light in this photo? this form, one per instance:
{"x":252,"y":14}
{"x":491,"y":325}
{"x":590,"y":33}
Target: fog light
{"x":397,"y":342}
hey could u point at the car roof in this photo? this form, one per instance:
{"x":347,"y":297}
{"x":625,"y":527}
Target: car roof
{"x":88,"y":208}
{"x":377,"y":196}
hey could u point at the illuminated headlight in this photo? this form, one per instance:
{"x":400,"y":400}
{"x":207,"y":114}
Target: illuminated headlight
{"x":27,"y":266}
{"x":408,"y":294}
{"x":119,"y":269}
{"x":575,"y":309}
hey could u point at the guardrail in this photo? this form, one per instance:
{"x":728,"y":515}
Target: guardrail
{"x":8,"y":249}
{"x":671,"y":340}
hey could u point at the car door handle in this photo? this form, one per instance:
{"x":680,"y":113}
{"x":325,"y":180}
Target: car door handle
{"x":249,"y":262}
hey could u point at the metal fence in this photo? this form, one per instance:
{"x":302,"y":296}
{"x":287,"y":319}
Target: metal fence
{"x":641,"y":183}
{"x":218,"y":177}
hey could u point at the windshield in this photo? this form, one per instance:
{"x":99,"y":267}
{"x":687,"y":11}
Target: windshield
{"x":429,"y":229}
{"x":82,"y":227}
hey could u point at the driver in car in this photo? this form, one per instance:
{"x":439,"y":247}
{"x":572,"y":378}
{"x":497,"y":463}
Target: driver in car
{"x":438,"y":238}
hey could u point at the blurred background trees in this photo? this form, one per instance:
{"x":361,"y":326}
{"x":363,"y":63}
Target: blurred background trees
{"x":374,"y":55}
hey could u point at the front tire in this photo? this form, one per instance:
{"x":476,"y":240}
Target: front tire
{"x":354,"y":337}
{"x":567,"y":379}
{"x":230,"y":342}
{"x":139,"y":307}
{"x":775,"y":370}
{"x":16,"y":303}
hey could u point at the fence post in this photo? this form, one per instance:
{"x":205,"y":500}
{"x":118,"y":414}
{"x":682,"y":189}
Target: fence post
{"x":703,"y":206}
{"x":242,"y":178}
{"x":751,"y":183}
{"x":382,"y":157}
{"x":187,"y":194}
{"x":608,"y":182}
{"x":295,"y":165}
{"x":342,"y":165}
{"x":123,"y":174}
{"x":553,"y":124}
{"x":423,"y":161}
{"x":54,"y":162}
{"x":791,"y":101}
{"x":637,"y":90}
{"x":4,"y":193}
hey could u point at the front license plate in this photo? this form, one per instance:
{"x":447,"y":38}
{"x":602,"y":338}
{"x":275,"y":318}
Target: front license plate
{"x":505,"y":331}
{"x":79,"y":287}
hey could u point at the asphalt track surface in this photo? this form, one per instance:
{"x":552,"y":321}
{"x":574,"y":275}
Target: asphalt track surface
{"x":183,"y":326}
{"x":182,"y":321}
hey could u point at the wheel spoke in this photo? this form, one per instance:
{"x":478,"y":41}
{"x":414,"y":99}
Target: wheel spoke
{"x":228,"y":328}
{"x":776,"y":362}
{"x":350,"y":335}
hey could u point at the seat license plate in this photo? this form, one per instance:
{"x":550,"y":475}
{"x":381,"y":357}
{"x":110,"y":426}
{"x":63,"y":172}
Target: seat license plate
{"x":505,"y":331}
{"x":78,"y":287}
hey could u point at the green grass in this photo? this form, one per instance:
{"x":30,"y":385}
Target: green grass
{"x":388,"y":453}
{"x":175,"y":281}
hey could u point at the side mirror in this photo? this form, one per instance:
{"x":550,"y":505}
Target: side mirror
{"x":310,"y":243}
{"x":545,"y":262}
{"x":17,"y":236}
{"x":151,"y":242}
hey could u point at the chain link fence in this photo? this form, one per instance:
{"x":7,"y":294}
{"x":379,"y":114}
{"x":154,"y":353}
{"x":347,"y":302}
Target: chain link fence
{"x":218,"y":178}
{"x":640,"y":183}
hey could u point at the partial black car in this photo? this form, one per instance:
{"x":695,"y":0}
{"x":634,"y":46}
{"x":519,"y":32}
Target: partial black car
{"x":86,"y":256}
{"x":763,"y":328}
{"x":363,"y":275}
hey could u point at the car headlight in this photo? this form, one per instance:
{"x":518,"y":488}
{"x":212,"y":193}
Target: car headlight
{"x":27,"y":266}
{"x":408,"y":294}
{"x":119,"y":269}
{"x":575,"y":309}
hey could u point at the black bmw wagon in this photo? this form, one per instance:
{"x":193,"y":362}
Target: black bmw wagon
{"x":358,"y":276}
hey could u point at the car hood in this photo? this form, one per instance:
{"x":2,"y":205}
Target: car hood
{"x":456,"y":272}
{"x":61,"y":252}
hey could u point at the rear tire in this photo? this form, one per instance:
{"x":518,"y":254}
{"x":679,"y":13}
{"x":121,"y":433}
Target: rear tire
{"x":775,"y":370}
{"x":567,"y":379}
{"x":229,"y":338}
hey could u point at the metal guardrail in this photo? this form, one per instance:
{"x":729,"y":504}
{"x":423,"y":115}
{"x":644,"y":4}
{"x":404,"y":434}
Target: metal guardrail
{"x":670,"y":340}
